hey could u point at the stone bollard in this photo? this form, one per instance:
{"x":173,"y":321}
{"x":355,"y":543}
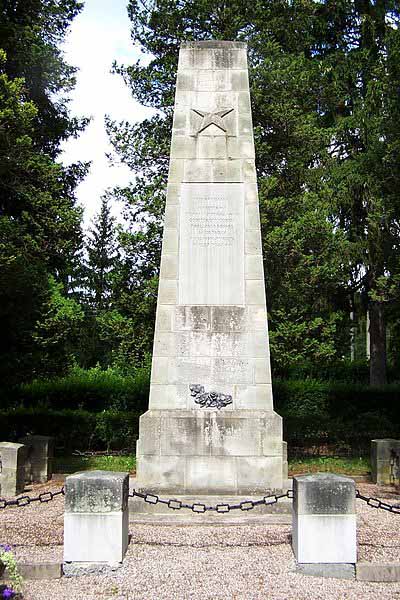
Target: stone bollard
{"x":95,"y":520}
{"x":39,"y":464}
{"x":324,"y":524}
{"x":12,"y":468}
{"x":385,"y":458}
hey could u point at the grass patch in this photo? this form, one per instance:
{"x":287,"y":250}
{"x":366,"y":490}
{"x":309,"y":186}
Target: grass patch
{"x":345,"y":466}
{"x":72,"y":464}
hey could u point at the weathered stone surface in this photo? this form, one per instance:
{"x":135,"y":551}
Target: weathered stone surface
{"x":12,"y":476}
{"x":37,"y":571}
{"x":385,"y":461}
{"x":330,"y":570}
{"x":95,"y":537}
{"x":96,"y":517}
{"x":324,"y":519}
{"x":252,"y":439}
{"x":79,"y":569}
{"x":382,"y":449}
{"x":192,"y":318}
{"x":228,"y":319}
{"x":384,"y":572}
{"x":39,"y":461}
{"x":324,"y":493}
{"x":211,"y":261}
{"x":96,"y":492}
{"x":161,"y":473}
{"x":211,"y":420}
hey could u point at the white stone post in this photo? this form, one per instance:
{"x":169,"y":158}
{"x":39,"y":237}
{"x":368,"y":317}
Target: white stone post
{"x":324,"y":519}
{"x":39,"y":463}
{"x":12,"y":468}
{"x":385,"y":461}
{"x":95,"y":519}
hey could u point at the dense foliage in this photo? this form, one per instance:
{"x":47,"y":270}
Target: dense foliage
{"x":40,"y":223}
{"x":326,"y":112}
{"x":97,"y":410}
{"x":74,"y":429}
{"x":324,"y":84}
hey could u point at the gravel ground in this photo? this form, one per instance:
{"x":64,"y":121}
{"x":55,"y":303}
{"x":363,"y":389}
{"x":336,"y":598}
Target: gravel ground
{"x":167,"y":562}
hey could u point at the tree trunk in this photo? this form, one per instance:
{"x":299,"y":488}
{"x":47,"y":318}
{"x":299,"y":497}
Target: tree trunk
{"x":377,"y":330}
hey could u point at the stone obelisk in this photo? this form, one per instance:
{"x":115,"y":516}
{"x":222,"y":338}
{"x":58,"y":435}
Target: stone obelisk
{"x":211,"y":427}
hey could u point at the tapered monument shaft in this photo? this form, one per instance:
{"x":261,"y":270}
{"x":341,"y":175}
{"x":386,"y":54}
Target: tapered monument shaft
{"x":210,"y":426}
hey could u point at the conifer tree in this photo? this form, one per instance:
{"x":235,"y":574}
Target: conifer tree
{"x":324,"y":81}
{"x":102,"y":257}
{"x":40,"y":222}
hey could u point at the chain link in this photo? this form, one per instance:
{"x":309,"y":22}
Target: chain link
{"x":376,"y":503}
{"x":199,"y":507}
{"x":196,"y":507}
{"x":43,"y":498}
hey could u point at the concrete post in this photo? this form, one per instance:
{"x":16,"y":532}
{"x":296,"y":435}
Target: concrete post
{"x":39,"y":464}
{"x":96,"y":518}
{"x":12,"y":468}
{"x":324,"y":519}
{"x":385,"y":460}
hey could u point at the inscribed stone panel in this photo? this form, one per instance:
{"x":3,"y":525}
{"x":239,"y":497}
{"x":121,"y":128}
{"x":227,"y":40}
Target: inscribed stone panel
{"x":211,"y":244}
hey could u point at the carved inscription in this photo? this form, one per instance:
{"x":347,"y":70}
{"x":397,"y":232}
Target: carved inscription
{"x":211,"y":244}
{"x":211,"y":222}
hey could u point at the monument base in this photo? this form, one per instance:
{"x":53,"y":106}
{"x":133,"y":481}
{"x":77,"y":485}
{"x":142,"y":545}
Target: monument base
{"x":210,"y":452}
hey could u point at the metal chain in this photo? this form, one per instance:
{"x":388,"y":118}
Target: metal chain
{"x":376,"y":503}
{"x":44,"y":497}
{"x":246,"y":505}
{"x":198,"y":507}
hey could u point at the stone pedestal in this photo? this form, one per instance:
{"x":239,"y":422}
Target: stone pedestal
{"x":39,"y":464}
{"x":12,"y":472}
{"x":206,"y":452}
{"x":211,"y":426}
{"x":324,"y":519}
{"x":385,"y":458}
{"x":96,"y":517}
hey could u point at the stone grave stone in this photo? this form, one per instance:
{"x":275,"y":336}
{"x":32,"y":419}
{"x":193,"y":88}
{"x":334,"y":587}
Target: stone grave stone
{"x":95,"y":520}
{"x":324,"y":524}
{"x":385,"y":461}
{"x":39,"y":462}
{"x":211,"y":426}
{"x":12,"y":468}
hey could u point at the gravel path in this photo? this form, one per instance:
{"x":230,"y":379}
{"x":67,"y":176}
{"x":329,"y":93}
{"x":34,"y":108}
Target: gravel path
{"x":236,"y":562}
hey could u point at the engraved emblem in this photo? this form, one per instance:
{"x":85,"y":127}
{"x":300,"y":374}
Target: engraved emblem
{"x":212,"y":118}
{"x":209,"y":399}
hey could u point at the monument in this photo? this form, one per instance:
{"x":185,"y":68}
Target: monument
{"x":211,"y":427}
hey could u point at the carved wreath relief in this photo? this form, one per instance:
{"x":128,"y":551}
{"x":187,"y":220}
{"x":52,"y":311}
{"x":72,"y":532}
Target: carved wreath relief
{"x":209,"y":399}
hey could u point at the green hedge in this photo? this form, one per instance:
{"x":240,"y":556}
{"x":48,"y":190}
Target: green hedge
{"x":115,"y":430}
{"x":96,"y":390}
{"x":356,"y":371}
{"x":73,"y":429}
{"x":330,"y":399}
{"x":352,"y":436}
{"x":92,"y":390}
